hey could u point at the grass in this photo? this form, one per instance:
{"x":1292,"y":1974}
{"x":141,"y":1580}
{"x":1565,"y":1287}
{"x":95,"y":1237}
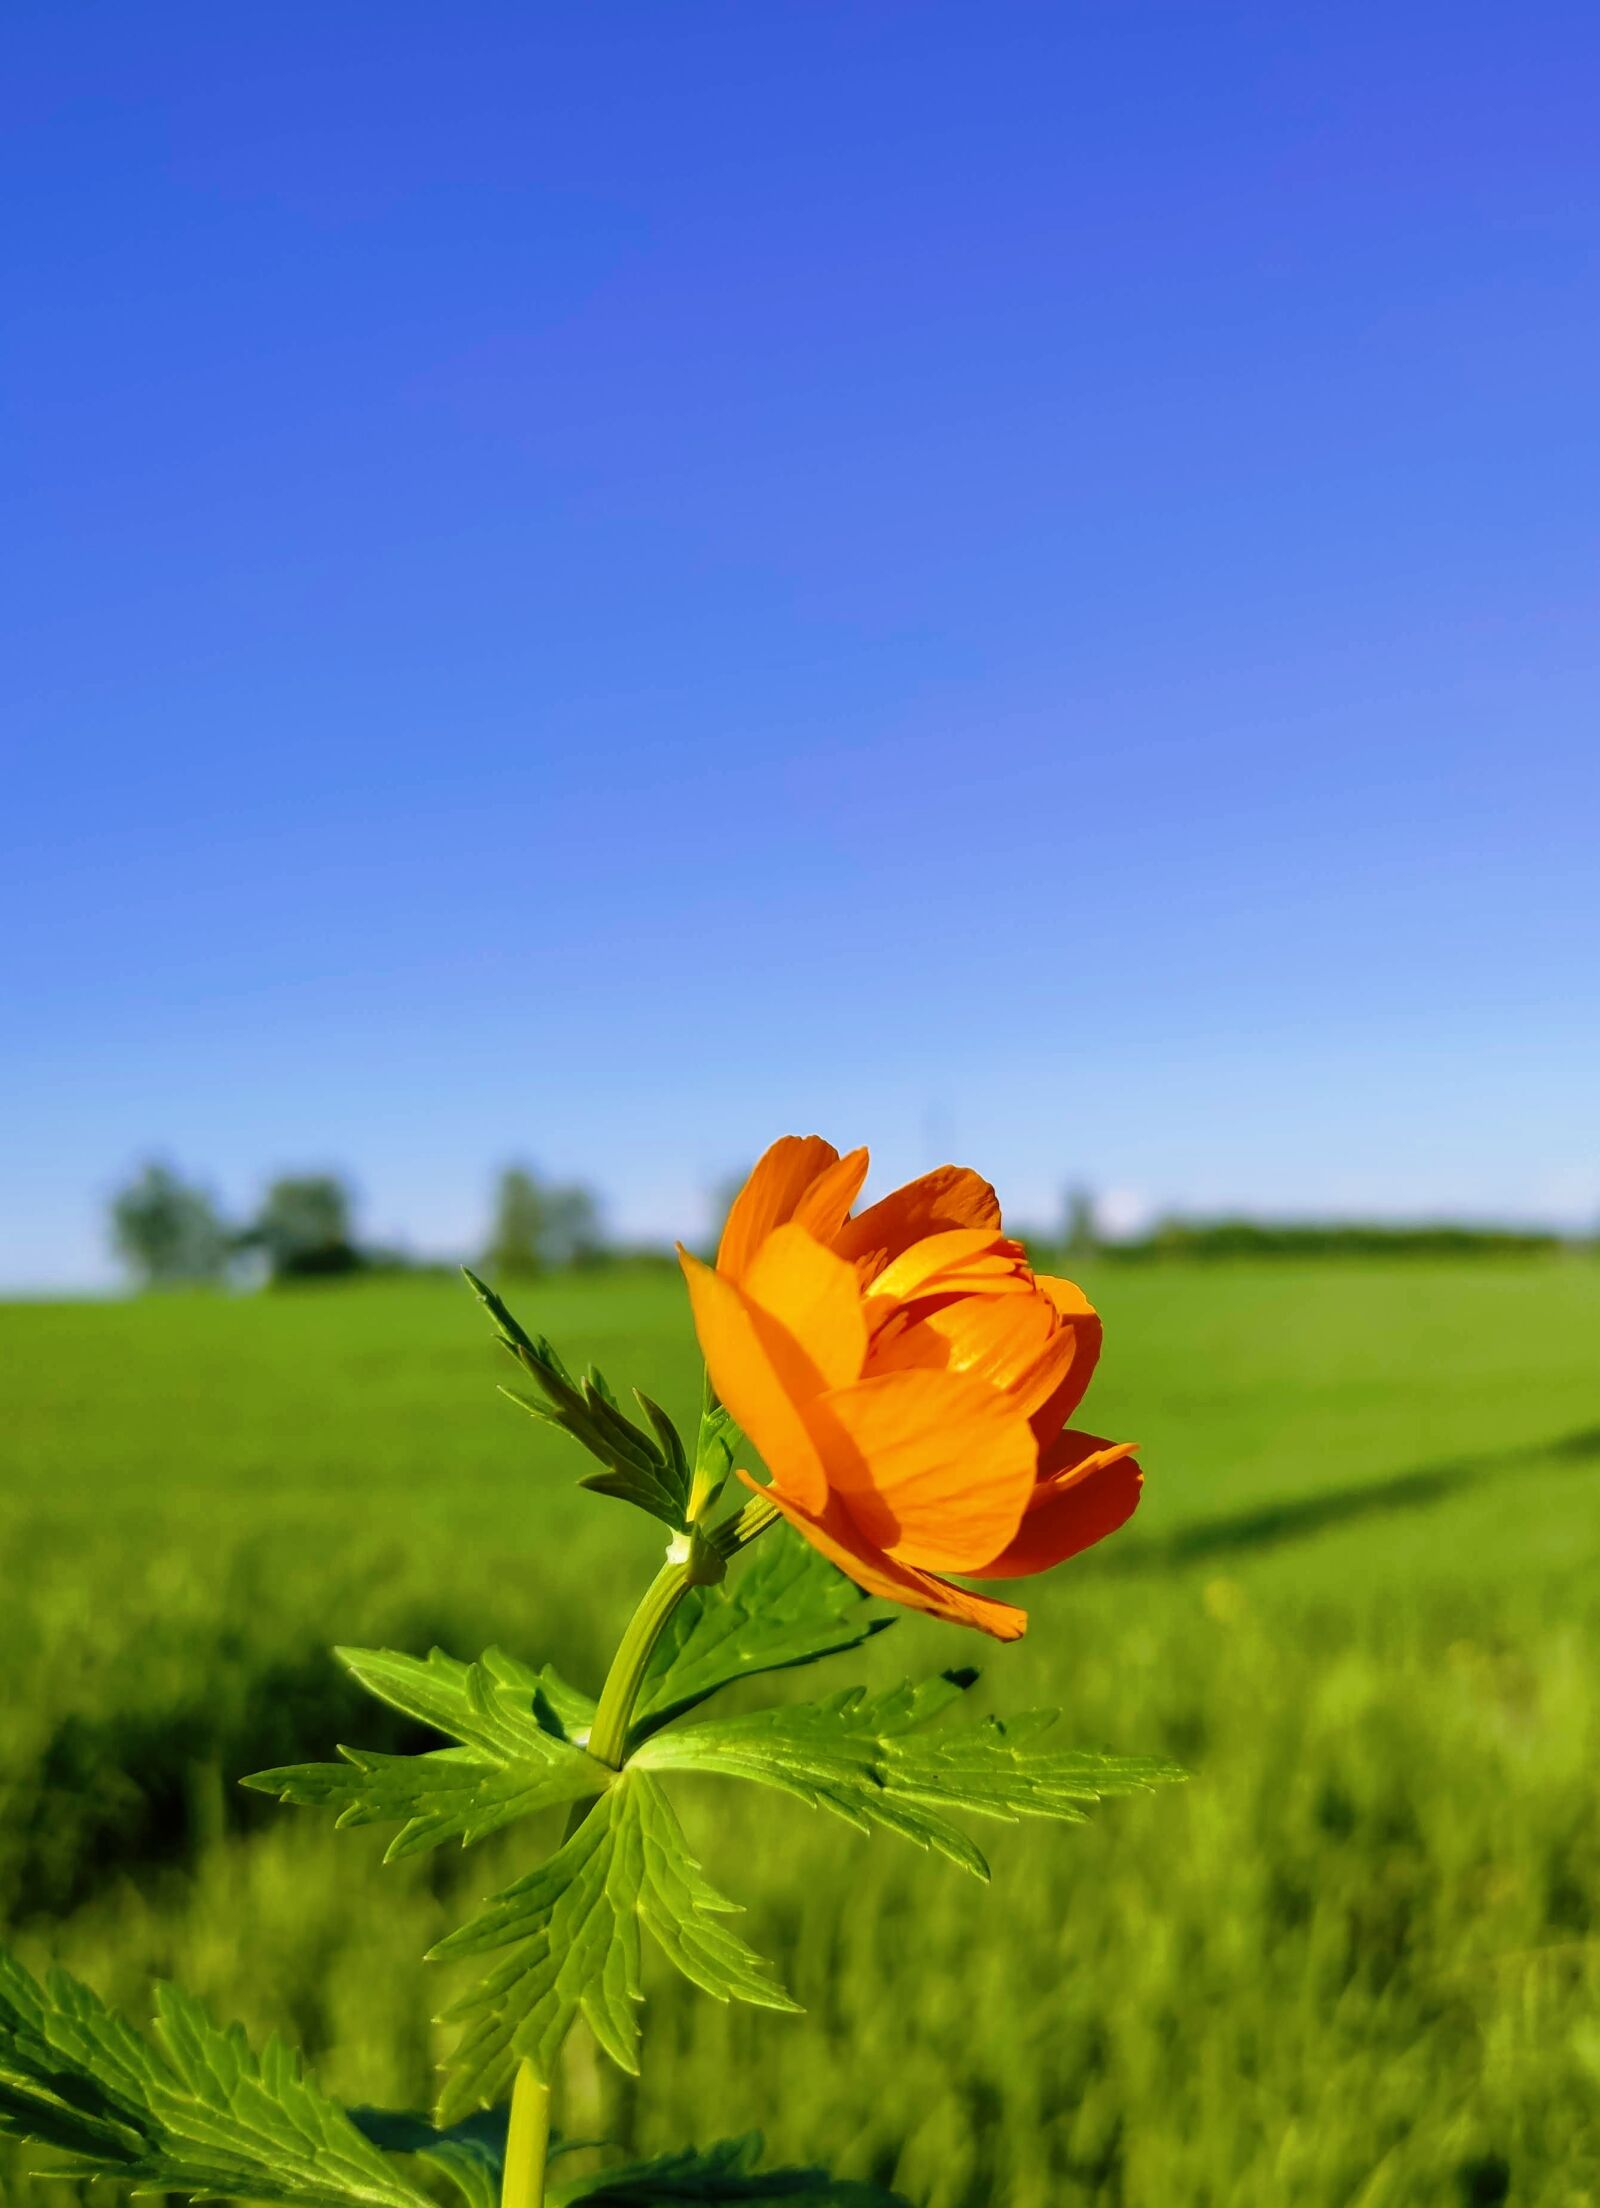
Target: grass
{"x":1356,"y":1961}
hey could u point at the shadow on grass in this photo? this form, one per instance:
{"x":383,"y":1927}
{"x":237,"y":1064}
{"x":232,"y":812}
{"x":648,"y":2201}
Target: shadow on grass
{"x":1295,"y":1519}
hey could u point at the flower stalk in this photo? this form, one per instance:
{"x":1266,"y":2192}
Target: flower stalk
{"x":527,"y":2141}
{"x":695,"y":1558}
{"x":608,"y":1737}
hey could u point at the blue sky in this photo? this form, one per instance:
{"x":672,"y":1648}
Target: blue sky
{"x":598,"y":583}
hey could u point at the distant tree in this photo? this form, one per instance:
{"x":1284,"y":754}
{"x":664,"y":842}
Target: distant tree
{"x":573,"y":1234}
{"x":542,"y":1226}
{"x":1083,"y":1237}
{"x":167,"y":1229}
{"x":304,"y":1227}
{"x":516,"y":1247}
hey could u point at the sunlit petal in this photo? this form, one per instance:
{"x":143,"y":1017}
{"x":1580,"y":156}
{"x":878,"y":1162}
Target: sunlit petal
{"x":950,"y":1196}
{"x":825,"y":1206}
{"x":1092,"y":1487}
{"x":815,"y":1297}
{"x":777,"y":1185}
{"x":1015,"y":1343}
{"x":936,"y":1467}
{"x":843,"y":1544}
{"x":763,"y":1378}
{"x":960,"y":1261}
{"x":1080,"y":1323}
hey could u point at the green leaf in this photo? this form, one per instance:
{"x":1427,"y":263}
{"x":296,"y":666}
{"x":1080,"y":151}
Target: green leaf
{"x":514,"y":1758}
{"x":571,"y":1931}
{"x":723,"y":2172}
{"x":438,"y":1691}
{"x":196,"y":2112}
{"x":831,"y":1755}
{"x":787,"y":1606}
{"x":681,"y":1910}
{"x":713,"y":1451}
{"x":572,"y":1709}
{"x":471,"y":2154}
{"x":998,"y":1768}
{"x":868,"y":1760}
{"x":649,"y":1469}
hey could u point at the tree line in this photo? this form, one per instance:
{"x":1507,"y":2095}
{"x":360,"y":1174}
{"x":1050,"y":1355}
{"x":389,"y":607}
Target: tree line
{"x":171,"y":1232}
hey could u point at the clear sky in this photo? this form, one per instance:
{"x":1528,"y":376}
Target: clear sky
{"x":599,"y":582}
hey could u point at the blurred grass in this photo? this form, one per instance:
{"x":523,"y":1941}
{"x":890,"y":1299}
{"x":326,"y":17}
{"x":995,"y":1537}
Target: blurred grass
{"x":1355,"y":1961}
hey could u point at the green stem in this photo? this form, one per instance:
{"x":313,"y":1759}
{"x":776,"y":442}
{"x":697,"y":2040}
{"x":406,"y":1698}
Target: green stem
{"x":696,"y":1559}
{"x":527,"y":2142}
{"x":608,"y":1737}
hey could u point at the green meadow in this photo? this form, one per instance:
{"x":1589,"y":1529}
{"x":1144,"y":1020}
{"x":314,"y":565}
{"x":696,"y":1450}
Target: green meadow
{"x":1355,"y":1960}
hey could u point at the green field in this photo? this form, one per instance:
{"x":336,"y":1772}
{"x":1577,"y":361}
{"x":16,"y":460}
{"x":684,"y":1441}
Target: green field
{"x":1356,"y":1960}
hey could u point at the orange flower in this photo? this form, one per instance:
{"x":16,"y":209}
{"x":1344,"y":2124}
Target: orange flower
{"x":908,"y":1377}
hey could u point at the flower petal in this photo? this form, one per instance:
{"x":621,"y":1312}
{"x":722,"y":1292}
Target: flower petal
{"x":778,"y":1183}
{"x":825,"y":1206}
{"x":1015,"y":1343}
{"x":1081,"y":1322}
{"x":950,"y":1196}
{"x":842,"y":1542}
{"x":936,"y":1467}
{"x":961,"y":1261}
{"x":814,"y":1296}
{"x":762,"y":1376}
{"x":1089,"y":1488}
